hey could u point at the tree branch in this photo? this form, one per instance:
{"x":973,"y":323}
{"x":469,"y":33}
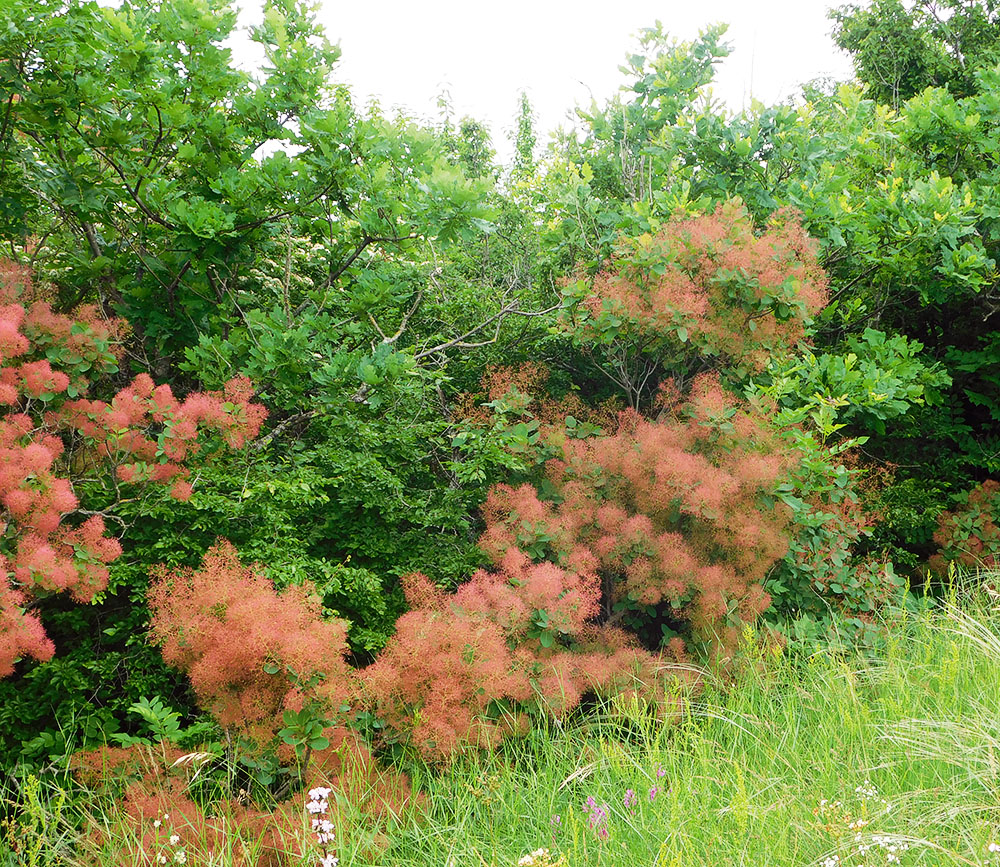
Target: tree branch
{"x":498,"y":317}
{"x":264,"y":442}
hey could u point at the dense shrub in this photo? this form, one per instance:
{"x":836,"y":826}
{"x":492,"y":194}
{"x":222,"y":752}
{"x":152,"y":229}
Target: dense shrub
{"x":640,"y":542}
{"x":705,"y":291}
{"x":673,"y":517}
{"x":470,"y":668}
{"x":271,"y":671}
{"x":51,"y":433}
{"x":250,"y":653}
{"x":968,"y":535}
{"x":171,"y":801}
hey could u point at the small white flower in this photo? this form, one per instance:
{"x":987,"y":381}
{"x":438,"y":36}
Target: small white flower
{"x":157,"y":823}
{"x":317,"y":806}
{"x":867,"y":790}
{"x":174,"y":839}
{"x":329,"y":861}
{"x":161,"y":859}
{"x":320,"y":793}
{"x":180,"y":857}
{"x":993,"y":847}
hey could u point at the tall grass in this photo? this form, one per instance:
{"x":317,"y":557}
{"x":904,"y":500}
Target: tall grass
{"x":836,"y":758}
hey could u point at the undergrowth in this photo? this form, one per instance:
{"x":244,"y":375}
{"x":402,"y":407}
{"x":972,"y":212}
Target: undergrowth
{"x":836,"y":759}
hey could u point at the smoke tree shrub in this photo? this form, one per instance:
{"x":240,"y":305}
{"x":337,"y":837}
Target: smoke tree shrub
{"x":969,"y":535}
{"x":157,"y":812}
{"x":254,"y":657}
{"x":435,"y":681}
{"x":705,"y":291}
{"x":51,"y":433}
{"x":674,"y":517}
{"x":160,"y":812}
{"x":266,"y":666}
{"x":708,"y":292}
{"x":160,"y":795}
{"x":637,"y":545}
{"x":468,"y":669}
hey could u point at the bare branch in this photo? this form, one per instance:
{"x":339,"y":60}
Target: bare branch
{"x":88,"y":230}
{"x":133,"y":193}
{"x":264,"y":442}
{"x":498,"y":317}
{"x":402,"y":325}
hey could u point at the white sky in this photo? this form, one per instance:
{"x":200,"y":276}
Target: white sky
{"x":405,"y":53}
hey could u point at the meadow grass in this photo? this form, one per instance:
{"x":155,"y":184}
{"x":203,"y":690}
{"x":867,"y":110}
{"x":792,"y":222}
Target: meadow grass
{"x":773,"y":769}
{"x":832,"y":758}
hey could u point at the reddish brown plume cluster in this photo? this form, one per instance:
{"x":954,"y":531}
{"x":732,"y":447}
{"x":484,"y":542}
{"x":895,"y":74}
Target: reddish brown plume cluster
{"x":710,"y":284}
{"x":672,"y":511}
{"x":251,"y":654}
{"x":463,"y":670}
{"x":50,"y":431}
{"x":249,"y":651}
{"x":969,"y":535}
{"x":153,"y":786}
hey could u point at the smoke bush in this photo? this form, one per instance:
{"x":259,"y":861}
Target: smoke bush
{"x":51,"y":433}
{"x":250,"y":652}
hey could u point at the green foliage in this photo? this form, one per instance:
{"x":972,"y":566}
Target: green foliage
{"x":524,"y":139}
{"x":833,"y":577}
{"x":625,"y":136}
{"x":903,"y":204}
{"x":303,"y":731}
{"x":899,"y":50}
{"x":366,"y":272}
{"x":136,"y":112}
{"x":40,"y":833}
{"x":879,"y":378}
{"x":152,"y":169}
{"x":621,"y":172}
{"x":164,"y":726}
{"x":82,"y":698}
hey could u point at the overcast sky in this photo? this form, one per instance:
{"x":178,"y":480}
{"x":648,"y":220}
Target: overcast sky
{"x":405,"y":53}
